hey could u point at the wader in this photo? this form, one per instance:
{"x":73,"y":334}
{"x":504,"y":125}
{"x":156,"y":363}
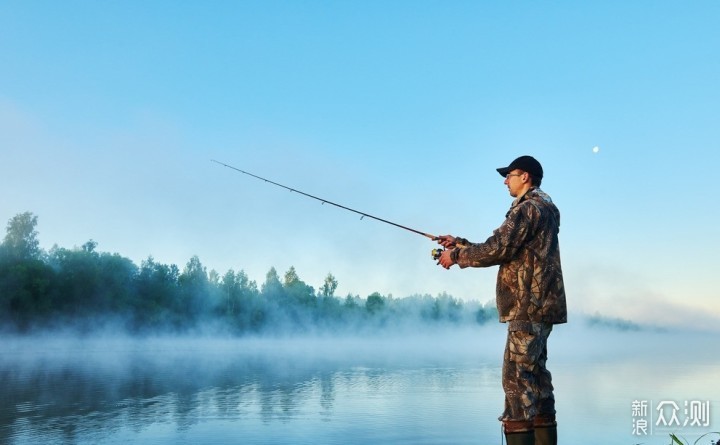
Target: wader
{"x":529,"y":416}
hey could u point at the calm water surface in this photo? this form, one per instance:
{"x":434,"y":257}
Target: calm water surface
{"x":435,"y":388}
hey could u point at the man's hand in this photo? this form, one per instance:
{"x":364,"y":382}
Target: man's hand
{"x":447,"y":241}
{"x":445,"y":260}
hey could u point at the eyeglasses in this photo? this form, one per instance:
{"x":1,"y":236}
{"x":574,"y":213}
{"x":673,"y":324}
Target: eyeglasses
{"x":513,"y":174}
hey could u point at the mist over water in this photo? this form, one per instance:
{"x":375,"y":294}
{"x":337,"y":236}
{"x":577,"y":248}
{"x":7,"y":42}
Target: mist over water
{"x":74,"y":389}
{"x":435,"y":387}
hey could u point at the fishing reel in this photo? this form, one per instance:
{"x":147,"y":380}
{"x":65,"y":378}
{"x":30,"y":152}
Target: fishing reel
{"x":436,"y":253}
{"x":458,"y":243}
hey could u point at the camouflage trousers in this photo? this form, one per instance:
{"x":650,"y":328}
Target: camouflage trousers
{"x":529,"y":400}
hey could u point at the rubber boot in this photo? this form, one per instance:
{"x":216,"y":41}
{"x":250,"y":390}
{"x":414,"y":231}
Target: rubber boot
{"x":545,"y":435}
{"x":524,"y":438}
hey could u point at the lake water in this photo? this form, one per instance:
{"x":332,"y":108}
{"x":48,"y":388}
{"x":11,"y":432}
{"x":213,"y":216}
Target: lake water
{"x":433,"y":388}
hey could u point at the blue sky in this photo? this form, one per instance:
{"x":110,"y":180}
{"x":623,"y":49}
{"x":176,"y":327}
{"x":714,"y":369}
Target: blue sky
{"x":111,"y":111}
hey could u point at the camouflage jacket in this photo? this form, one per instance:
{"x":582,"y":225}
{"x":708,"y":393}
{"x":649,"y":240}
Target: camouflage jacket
{"x":530,"y":282}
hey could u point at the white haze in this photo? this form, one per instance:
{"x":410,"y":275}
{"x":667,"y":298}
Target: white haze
{"x":569,"y":343}
{"x":130,"y":389}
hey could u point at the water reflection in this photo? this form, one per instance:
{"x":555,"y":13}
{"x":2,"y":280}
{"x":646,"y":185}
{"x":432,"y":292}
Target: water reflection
{"x":48,"y":398}
{"x":79,"y":391}
{"x":422,"y":390}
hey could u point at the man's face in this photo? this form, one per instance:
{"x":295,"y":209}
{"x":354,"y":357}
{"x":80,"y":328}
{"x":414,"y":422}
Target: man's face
{"x":515,"y":181}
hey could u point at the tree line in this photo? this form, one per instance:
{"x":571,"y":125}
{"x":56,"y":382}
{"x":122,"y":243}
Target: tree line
{"x":88,"y":289}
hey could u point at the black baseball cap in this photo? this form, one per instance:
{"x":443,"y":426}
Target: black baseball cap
{"x":524,"y":163}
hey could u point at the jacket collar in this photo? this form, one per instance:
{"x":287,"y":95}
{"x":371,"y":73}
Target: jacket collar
{"x":527,"y":195}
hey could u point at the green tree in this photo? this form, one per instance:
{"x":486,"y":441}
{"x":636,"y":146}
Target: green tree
{"x":235,"y":287}
{"x":156,"y":288}
{"x":27,"y":291}
{"x":78,"y":281}
{"x":241,"y":306}
{"x":351,"y":302}
{"x":329,"y":286}
{"x":297,"y":291}
{"x":445,"y":307}
{"x":194,"y":302}
{"x":330,"y":308}
{"x":231,"y":293}
{"x":92,"y":284}
{"x":272,"y":286}
{"x":89,"y":246}
{"x":291,"y":277}
{"x":375,"y":303}
{"x":21,"y":237}
{"x":116,"y":292}
{"x":214,"y":278}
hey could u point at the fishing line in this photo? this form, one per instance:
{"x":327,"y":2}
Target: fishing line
{"x":325,"y":201}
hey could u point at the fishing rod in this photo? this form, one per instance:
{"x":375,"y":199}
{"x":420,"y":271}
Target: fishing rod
{"x":325,"y":201}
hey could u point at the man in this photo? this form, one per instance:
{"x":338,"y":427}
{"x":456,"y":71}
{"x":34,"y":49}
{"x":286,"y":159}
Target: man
{"x":530,"y":298}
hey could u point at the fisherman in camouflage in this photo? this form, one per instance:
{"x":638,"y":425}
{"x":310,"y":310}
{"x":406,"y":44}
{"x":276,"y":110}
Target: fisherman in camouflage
{"x":530,"y":298}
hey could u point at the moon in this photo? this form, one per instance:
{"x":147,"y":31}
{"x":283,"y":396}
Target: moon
{"x":596,"y":149}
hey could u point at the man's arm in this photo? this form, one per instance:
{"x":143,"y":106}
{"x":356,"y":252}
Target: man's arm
{"x":503,"y":246}
{"x":449,"y":242}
